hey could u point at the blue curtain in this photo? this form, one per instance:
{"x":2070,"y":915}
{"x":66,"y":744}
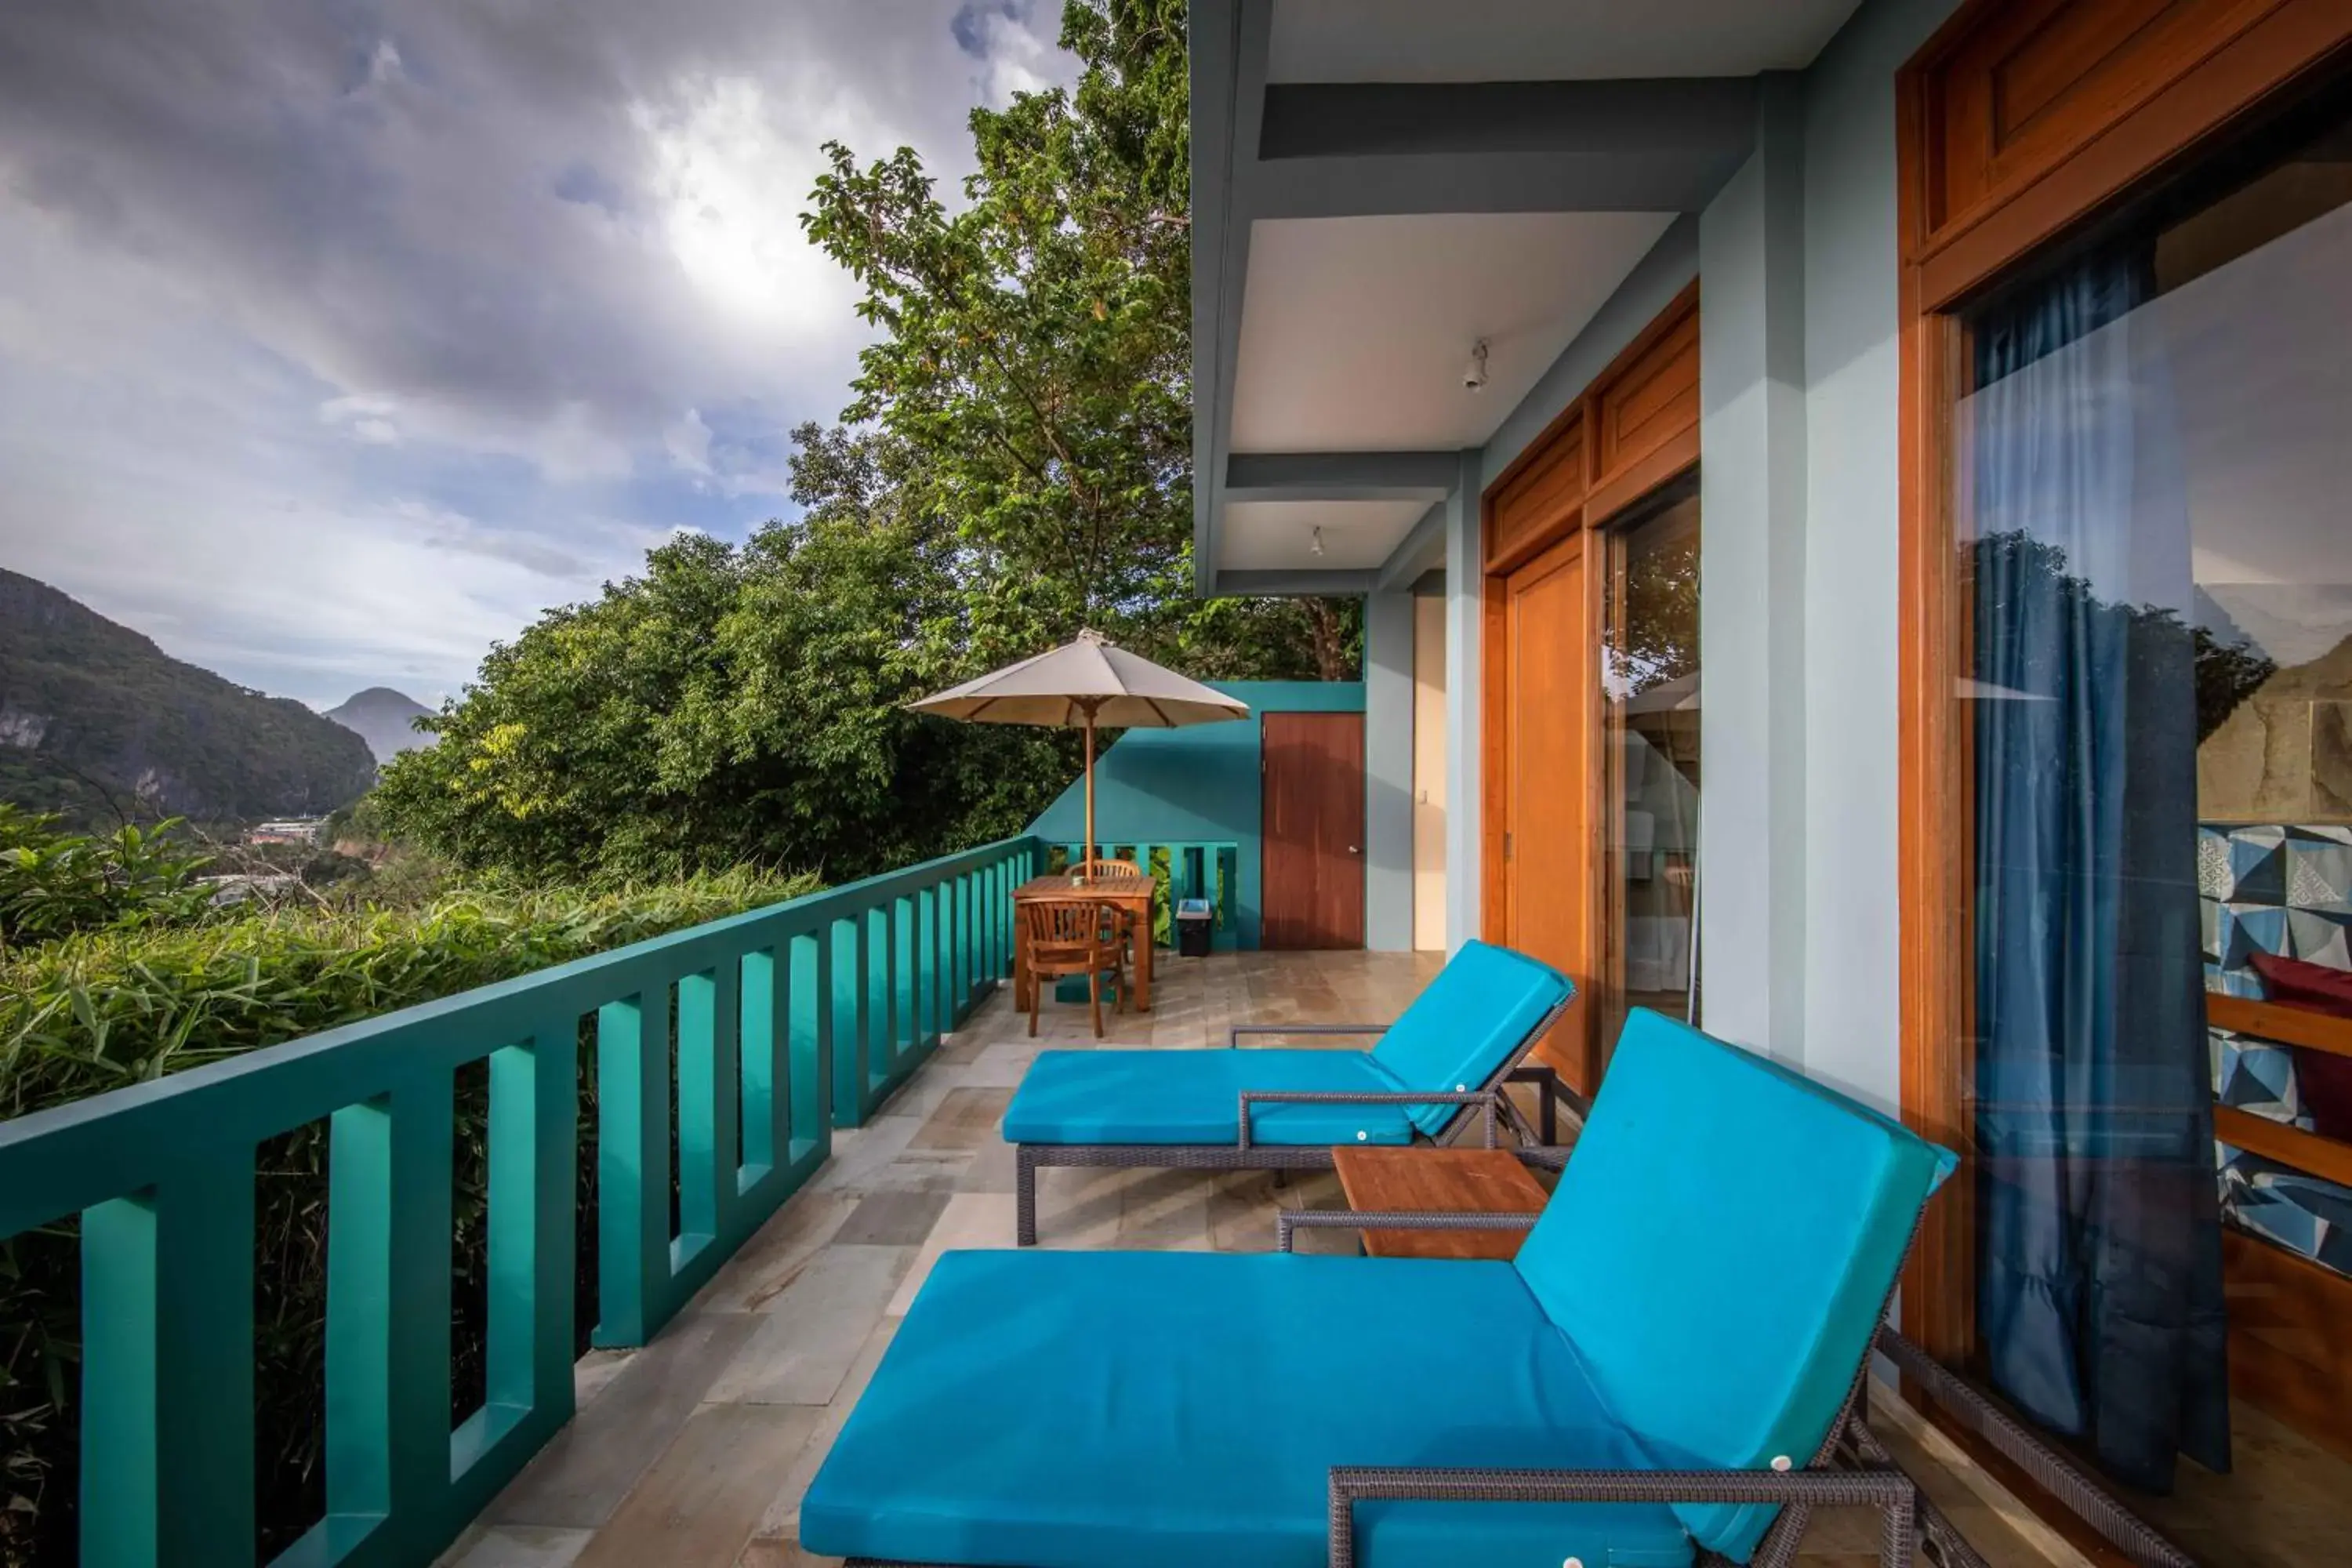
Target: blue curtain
{"x":2099,"y":1281}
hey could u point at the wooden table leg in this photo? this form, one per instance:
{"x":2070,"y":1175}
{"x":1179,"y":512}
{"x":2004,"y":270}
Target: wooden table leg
{"x":1020,"y":981}
{"x":1143,"y":959}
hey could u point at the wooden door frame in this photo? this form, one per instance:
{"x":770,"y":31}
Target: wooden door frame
{"x":1632,"y":431}
{"x":2175,"y":89}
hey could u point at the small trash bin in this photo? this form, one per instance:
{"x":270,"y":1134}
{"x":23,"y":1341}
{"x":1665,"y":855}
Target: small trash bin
{"x":1193,"y":923}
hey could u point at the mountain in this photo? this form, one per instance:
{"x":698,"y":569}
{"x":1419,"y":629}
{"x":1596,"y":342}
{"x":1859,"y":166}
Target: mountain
{"x":381,"y":717}
{"x":95,"y":719}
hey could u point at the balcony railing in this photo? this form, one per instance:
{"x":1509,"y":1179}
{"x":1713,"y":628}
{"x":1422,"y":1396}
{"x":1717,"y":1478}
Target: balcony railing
{"x":789,"y":1020}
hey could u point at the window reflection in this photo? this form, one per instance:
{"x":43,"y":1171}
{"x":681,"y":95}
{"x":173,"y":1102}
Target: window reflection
{"x":2154,"y":510}
{"x":1650,"y":700}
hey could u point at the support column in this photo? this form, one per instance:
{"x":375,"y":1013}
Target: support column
{"x":1753,"y":506}
{"x":1466,"y":611}
{"x":1388,"y":772}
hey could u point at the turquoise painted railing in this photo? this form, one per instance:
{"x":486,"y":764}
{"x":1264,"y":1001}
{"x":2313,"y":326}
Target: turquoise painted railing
{"x":818,"y":1005}
{"x":1185,"y":870}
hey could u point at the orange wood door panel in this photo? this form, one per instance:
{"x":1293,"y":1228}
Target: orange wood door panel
{"x":1546,"y":869}
{"x":1312,"y":835}
{"x":1652,"y":399}
{"x":2040,"y":79}
{"x":1540,"y":500}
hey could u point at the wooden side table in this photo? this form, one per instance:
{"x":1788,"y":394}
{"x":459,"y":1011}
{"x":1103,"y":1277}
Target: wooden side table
{"x":1407,"y":1180}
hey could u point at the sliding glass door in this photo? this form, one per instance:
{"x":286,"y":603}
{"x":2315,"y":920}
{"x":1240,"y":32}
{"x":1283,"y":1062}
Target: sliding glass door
{"x":1649,"y":716}
{"x":2154,"y":512}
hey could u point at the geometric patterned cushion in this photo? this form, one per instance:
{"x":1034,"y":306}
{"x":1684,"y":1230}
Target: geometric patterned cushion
{"x":2274,"y":888}
{"x":2300,"y":1213}
{"x":2257,"y":1076}
{"x":2282,"y":890}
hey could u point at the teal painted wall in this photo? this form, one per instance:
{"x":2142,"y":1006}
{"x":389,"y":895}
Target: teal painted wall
{"x":1200,"y":782}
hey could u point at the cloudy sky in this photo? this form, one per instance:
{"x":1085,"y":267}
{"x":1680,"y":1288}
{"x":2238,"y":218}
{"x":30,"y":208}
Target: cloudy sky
{"x":339,"y":338}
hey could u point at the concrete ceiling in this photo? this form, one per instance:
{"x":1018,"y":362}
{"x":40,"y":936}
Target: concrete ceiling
{"x":1358,"y":536}
{"x":1527,"y":40}
{"x":1356,"y":331}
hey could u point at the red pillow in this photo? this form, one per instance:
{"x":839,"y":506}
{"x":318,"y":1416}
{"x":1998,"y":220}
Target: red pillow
{"x":2324,"y":1079}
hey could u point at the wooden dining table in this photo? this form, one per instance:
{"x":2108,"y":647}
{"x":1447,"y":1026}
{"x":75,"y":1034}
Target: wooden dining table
{"x":1130,"y":895}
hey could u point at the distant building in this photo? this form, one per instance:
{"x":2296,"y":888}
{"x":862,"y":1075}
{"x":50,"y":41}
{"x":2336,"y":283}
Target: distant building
{"x":289,"y":831}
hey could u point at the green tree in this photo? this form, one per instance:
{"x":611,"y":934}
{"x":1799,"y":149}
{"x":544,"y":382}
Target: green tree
{"x":735,"y":705}
{"x":1014,"y":466}
{"x":1035,"y":355}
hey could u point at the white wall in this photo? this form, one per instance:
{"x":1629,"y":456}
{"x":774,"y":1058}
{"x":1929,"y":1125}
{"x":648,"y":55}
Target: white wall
{"x":1428,"y":686}
{"x":1753,"y":496}
{"x":1852,"y":975}
{"x":1466,"y":584}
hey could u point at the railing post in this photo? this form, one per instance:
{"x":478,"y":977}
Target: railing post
{"x":388,"y":1441}
{"x":632,"y":1167}
{"x":853,"y":1013}
{"x":167,"y":1372}
{"x":762,"y":1065}
{"x":966,"y":894}
{"x":932,"y":969}
{"x":534,"y":1096}
{"x":906,"y":981}
{"x":706,"y":1108}
{"x":815,"y":998}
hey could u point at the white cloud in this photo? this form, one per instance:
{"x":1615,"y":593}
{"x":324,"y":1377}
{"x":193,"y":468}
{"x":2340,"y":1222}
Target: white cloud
{"x":331,"y":349}
{"x":731,"y":165}
{"x":688,"y":442}
{"x":368,"y":419}
{"x":1018,"y":57}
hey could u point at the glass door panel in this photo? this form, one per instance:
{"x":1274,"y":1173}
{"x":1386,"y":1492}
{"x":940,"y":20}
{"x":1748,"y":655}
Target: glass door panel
{"x":1649,"y":676}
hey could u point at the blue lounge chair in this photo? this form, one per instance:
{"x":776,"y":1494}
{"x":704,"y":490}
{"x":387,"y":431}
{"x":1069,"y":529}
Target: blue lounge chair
{"x":1658,"y":1380}
{"x":1284,"y":1110}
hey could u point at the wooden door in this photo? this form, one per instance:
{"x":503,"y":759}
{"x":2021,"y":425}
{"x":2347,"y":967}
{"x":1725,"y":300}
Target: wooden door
{"x":1547,"y":875}
{"x":1312,"y":837}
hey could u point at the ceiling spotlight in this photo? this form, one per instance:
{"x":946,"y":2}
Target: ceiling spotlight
{"x":1316,"y":542}
{"x":1474,"y":375}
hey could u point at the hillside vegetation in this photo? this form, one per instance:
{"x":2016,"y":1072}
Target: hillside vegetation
{"x":100,"y":724}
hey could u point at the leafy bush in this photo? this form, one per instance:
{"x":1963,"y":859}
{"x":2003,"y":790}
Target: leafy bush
{"x":55,"y":884}
{"x":108,"y":1008}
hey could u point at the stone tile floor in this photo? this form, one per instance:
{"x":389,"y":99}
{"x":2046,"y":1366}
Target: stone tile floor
{"x":695,"y":1449}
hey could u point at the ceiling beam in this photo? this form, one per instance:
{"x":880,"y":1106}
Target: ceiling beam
{"x":1343,"y":150}
{"x":1339,"y":476}
{"x":1350,"y":149}
{"x":1270,"y":584}
{"x":1421,"y":549}
{"x":1229,"y":40}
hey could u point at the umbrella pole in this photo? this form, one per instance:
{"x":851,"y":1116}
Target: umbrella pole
{"x":1090,"y":853}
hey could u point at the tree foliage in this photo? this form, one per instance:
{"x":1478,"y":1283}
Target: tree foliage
{"x":1035,"y":355}
{"x":55,"y":883}
{"x":1014,"y":466}
{"x":733,"y":705}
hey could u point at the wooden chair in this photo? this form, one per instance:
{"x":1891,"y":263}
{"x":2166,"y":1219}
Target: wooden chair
{"x":1073,"y":936}
{"x":1126,"y":871}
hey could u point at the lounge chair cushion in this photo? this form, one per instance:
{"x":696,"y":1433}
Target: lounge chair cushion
{"x":1466,"y":1023}
{"x":1719,"y":1251}
{"x":1163,"y":1410}
{"x":1194,"y":1096}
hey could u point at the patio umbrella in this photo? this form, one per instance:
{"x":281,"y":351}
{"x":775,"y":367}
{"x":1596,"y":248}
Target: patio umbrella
{"x":1085,"y":683}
